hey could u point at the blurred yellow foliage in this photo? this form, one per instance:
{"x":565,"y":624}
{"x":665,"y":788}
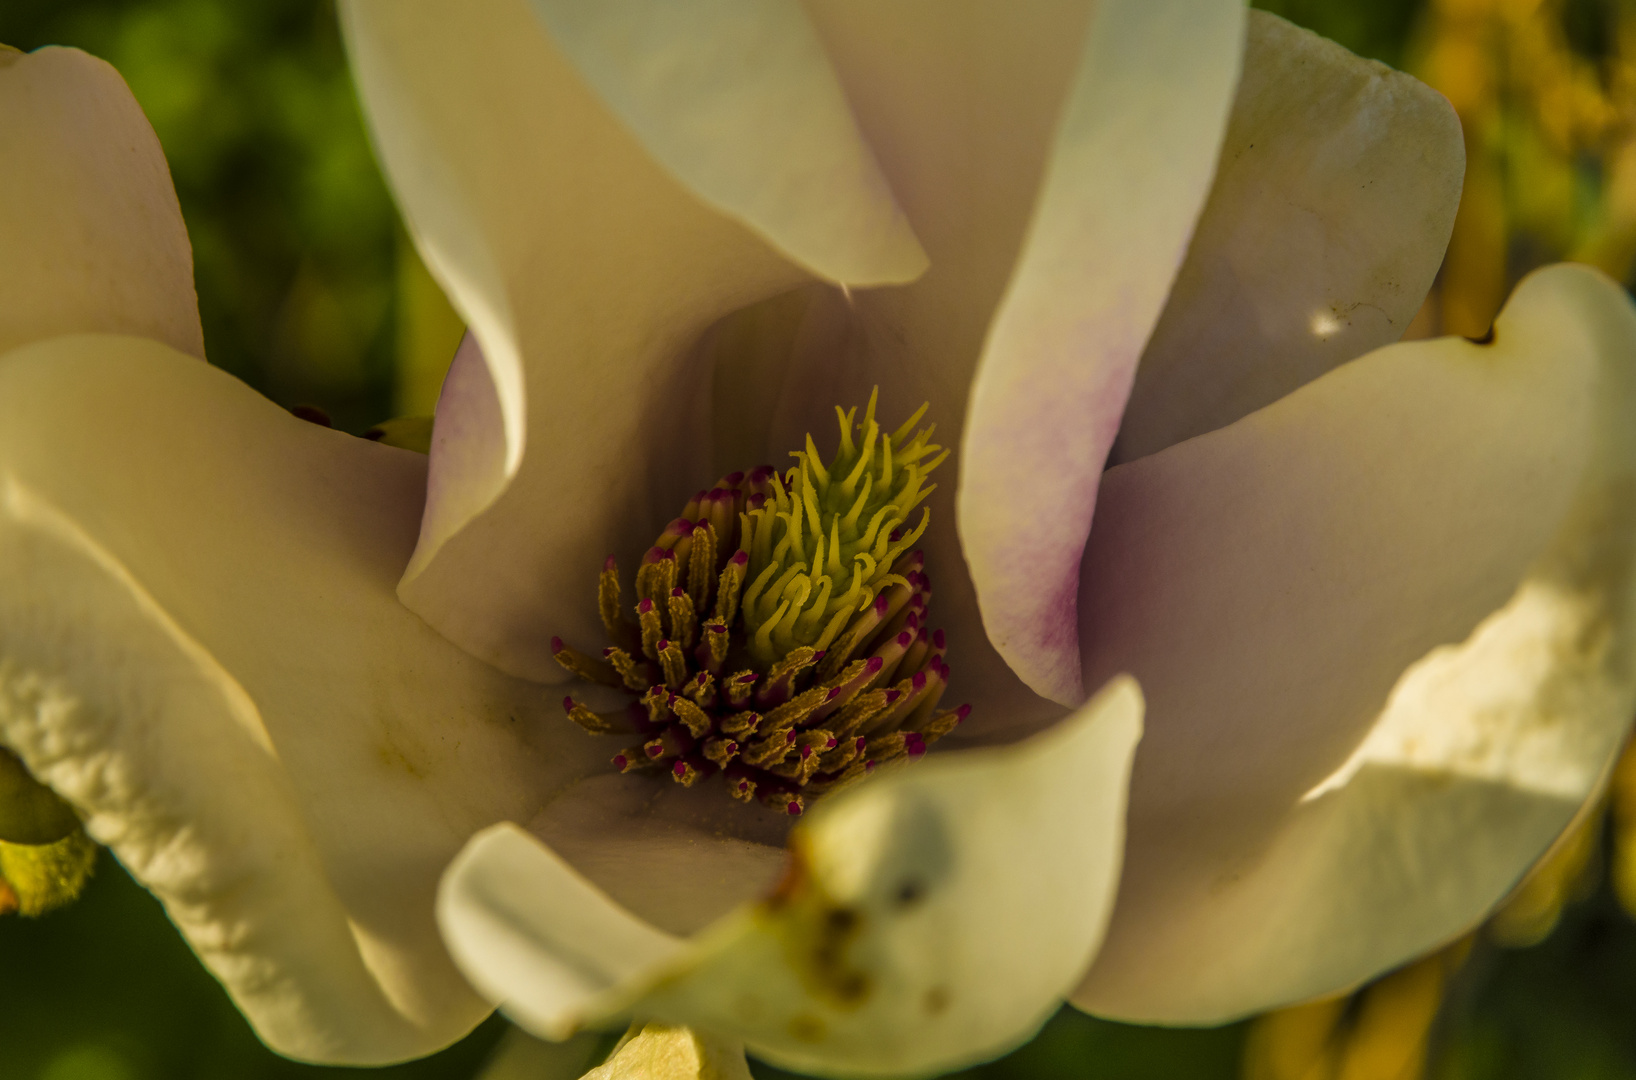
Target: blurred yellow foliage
{"x":1550,"y":158}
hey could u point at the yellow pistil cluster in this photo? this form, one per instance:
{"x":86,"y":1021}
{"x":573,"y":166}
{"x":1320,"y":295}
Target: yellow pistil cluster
{"x":802,"y":661}
{"x":825,"y":542}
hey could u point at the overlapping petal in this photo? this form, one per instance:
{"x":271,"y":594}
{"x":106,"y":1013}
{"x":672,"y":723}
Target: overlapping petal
{"x":929,"y":918}
{"x":1128,"y":174}
{"x":738,"y":100}
{"x":1387,"y":632}
{"x":1332,"y":204}
{"x":91,"y":237}
{"x":587,"y":272}
{"x":201,"y":649}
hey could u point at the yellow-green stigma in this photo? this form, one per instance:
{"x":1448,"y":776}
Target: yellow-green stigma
{"x":802,"y":661}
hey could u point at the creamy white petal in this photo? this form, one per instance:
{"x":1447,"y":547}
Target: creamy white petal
{"x":1387,"y":631}
{"x":201,"y":649}
{"x":588,"y":273}
{"x":737,"y":99}
{"x":91,"y":237}
{"x":929,"y":918}
{"x":1128,"y":174}
{"x":1330,"y":211}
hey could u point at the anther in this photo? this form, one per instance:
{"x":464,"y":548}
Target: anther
{"x":684,"y":625}
{"x":595,"y":723}
{"x":672,"y":663}
{"x":653,"y":631}
{"x":588,"y":668}
{"x":740,"y":688}
{"x":807,"y":579}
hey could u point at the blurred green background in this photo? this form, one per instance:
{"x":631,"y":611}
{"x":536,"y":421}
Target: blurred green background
{"x":310,"y":292}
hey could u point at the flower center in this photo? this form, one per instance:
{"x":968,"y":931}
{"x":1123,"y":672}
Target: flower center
{"x":801,"y":662}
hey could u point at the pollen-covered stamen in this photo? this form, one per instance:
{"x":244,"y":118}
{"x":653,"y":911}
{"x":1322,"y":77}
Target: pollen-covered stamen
{"x":779,"y":634}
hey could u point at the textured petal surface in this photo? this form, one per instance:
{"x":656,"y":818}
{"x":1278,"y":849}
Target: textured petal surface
{"x":1328,"y":218}
{"x":587,"y":273}
{"x":1128,"y":174}
{"x":201,"y":649}
{"x":1386,"y":631}
{"x":930,"y":917}
{"x":91,"y":235}
{"x":737,"y":99}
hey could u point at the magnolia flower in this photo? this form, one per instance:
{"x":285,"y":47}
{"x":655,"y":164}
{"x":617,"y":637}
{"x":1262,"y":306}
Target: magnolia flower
{"x":1376,"y":598}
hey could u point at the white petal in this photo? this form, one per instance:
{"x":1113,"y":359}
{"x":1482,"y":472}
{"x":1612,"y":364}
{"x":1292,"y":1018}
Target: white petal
{"x":1386,"y":629}
{"x":931,"y":917}
{"x":1331,"y":208}
{"x":588,"y":273}
{"x":1129,"y":172}
{"x":738,"y":100}
{"x":200,"y":648}
{"x":89,"y":226}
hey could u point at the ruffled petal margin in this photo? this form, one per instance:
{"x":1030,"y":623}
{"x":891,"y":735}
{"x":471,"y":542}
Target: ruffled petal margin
{"x":201,"y":650}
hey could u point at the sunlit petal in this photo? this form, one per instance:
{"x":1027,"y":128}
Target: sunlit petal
{"x":929,"y":918}
{"x":1328,"y":217}
{"x":91,"y":238}
{"x":738,"y":100}
{"x":1386,"y":631}
{"x":201,"y":650}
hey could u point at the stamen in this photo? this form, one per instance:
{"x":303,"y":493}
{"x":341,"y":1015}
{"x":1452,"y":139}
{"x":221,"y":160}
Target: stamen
{"x":806,"y":584}
{"x":587,"y":668}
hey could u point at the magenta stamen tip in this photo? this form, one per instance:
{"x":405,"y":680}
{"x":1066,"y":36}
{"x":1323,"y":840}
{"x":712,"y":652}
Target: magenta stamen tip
{"x":914,"y":744}
{"x":905,"y":639}
{"x":794,"y":808}
{"x":892,"y":696}
{"x":789,"y":736}
{"x":755,"y":502}
{"x":834,"y":692}
{"x":610,"y":564}
{"x":680,"y":768}
{"x":747,"y":678}
{"x":654,"y":751}
{"x":733,"y":479}
{"x":831,"y":744}
{"x":817,"y":656}
{"x":875,"y":664}
{"x":881,"y":606}
{"x":556,"y":645}
{"x":919,"y":681}
{"x":568,"y":704}
{"x":714,"y":629}
{"x":860,"y":743}
{"x":740,"y":558}
{"x":664,"y":643}
{"x":620,"y":761}
{"x":644,"y":607}
{"x":938,"y":639}
{"x":961,"y":713}
{"x":678,"y":592}
{"x":806,"y":752}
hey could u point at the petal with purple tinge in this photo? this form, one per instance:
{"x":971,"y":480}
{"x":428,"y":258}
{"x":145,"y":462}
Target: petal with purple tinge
{"x":1386,"y":628}
{"x":91,"y":237}
{"x":1129,"y":172}
{"x":738,"y":100}
{"x":201,"y":650}
{"x":1330,"y":211}
{"x":931,"y":917}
